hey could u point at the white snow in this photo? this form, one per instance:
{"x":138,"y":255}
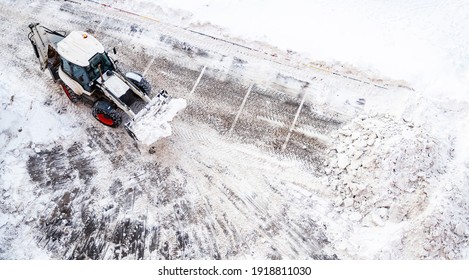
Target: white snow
{"x":153,"y":127}
{"x":396,"y":182}
{"x":423,"y":42}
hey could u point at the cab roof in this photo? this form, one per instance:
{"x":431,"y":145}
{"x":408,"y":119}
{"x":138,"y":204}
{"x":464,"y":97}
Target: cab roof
{"x":78,"y":47}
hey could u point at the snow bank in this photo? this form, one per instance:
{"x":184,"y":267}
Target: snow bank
{"x":423,"y":42}
{"x":151,"y":128}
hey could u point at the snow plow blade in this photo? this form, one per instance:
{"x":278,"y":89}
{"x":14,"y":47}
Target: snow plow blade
{"x":153,"y":122}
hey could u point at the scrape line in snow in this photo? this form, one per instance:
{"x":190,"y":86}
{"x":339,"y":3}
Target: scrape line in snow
{"x":198,"y":80}
{"x":294,"y":122}
{"x":100,"y":24}
{"x":148,"y":66}
{"x":240,"y":109}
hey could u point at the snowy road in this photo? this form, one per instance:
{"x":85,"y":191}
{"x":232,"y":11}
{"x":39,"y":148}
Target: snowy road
{"x":246,"y":173}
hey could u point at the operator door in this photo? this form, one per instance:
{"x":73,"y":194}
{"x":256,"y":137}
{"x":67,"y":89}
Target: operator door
{"x":78,"y":74}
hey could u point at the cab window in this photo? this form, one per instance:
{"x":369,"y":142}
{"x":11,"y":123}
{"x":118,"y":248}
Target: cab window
{"x":99,"y":60}
{"x":81,"y":76}
{"x":66,"y":67}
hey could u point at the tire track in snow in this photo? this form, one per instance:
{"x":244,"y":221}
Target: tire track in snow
{"x":211,"y":119}
{"x":248,"y":206}
{"x":219,"y":95}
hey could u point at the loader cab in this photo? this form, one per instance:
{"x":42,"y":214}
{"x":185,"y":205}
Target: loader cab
{"x":81,"y":58}
{"x":99,"y":64}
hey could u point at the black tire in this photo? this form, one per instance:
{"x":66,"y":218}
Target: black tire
{"x":142,"y":85}
{"x":53,"y":72}
{"x":106,"y":113}
{"x":72,"y":96}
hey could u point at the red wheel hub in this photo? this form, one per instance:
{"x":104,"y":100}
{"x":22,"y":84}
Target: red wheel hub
{"x":66,"y":92}
{"x":104,"y":119}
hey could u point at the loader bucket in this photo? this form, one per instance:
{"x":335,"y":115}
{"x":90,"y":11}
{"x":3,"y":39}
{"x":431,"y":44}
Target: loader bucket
{"x":153,"y":122}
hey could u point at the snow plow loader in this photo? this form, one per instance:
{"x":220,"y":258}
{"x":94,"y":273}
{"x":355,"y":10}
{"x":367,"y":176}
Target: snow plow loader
{"x":79,"y":63}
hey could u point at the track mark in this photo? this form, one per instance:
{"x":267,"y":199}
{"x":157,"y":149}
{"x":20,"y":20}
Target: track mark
{"x":198,"y":80}
{"x":241,"y":108}
{"x":294,"y":122}
{"x":100,"y":25}
{"x":148,"y":66}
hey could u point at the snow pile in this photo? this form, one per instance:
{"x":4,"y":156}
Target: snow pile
{"x":444,"y":233}
{"x":383,"y":173}
{"x":382,"y":170}
{"x":153,"y":127}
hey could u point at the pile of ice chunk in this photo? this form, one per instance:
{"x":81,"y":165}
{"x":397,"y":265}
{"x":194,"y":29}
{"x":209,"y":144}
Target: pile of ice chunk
{"x":382,"y":171}
{"x":379,"y":169}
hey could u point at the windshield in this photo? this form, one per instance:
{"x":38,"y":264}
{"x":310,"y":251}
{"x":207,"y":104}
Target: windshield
{"x":97,"y":59}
